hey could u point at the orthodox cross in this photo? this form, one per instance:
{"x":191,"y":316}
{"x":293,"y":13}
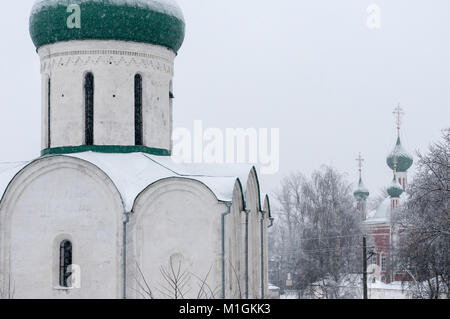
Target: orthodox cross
{"x":360,"y":161}
{"x":398,"y":112}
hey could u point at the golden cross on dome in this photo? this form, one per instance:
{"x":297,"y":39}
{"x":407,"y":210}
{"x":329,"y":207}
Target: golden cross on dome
{"x":398,"y":112}
{"x":360,"y":161}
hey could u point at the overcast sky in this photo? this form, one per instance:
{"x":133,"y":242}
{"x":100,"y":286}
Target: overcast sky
{"x":309,"y":67}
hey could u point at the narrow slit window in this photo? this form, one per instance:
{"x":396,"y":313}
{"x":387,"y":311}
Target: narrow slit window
{"x":49,"y":113}
{"x":89,"y":108}
{"x":138,"y":128}
{"x":65,"y":261}
{"x":171,"y":97}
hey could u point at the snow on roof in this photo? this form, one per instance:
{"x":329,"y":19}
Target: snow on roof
{"x":132,"y":173}
{"x":361,"y":187}
{"x":395,"y":285}
{"x":273,"y":287}
{"x":382,"y":213}
{"x":344,"y":281}
{"x":7,"y":173}
{"x":355,"y":280}
{"x":371,"y":214}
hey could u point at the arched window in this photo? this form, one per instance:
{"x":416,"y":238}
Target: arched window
{"x":383,"y":263}
{"x":65,"y":261}
{"x":49,"y":118}
{"x":373,"y":259}
{"x":138,"y":128}
{"x":89,"y":108}
{"x":171,"y":95}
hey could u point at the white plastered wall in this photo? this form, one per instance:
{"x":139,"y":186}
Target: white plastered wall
{"x":253,"y":205}
{"x":234,"y":247}
{"x":175,"y":217}
{"x":55,"y":199}
{"x":114,"y":65}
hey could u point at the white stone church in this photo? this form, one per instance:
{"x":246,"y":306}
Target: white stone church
{"x":105,"y":212}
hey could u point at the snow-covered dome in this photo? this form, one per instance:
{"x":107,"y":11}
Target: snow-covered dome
{"x":158,"y":22}
{"x":404,"y":159}
{"x":361,"y":192}
{"x":395,"y":190}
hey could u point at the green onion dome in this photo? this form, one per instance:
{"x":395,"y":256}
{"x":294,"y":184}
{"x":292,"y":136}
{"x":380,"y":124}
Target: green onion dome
{"x":361,"y":192}
{"x":395,"y":190}
{"x":158,"y":22}
{"x":404,"y":159}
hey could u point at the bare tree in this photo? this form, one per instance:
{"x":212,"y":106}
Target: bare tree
{"x":144,"y":288}
{"x":317,"y":235}
{"x":423,"y":249}
{"x":176,"y":281}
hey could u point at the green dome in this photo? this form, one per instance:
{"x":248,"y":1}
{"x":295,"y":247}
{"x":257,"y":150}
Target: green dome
{"x":404,"y":159}
{"x":395,"y":190}
{"x":361,"y":192}
{"x":158,"y":22}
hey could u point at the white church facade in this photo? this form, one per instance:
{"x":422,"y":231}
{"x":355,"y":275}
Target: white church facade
{"x":105,"y":212}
